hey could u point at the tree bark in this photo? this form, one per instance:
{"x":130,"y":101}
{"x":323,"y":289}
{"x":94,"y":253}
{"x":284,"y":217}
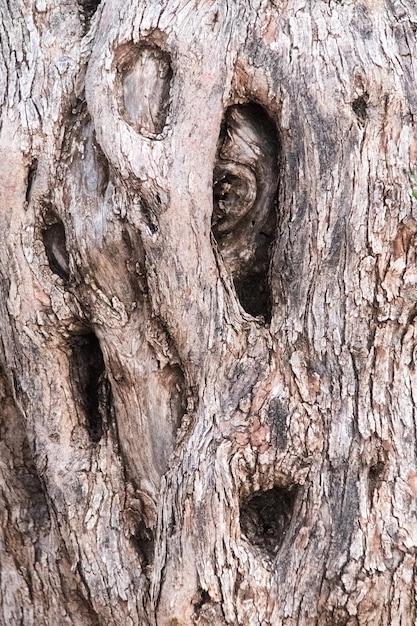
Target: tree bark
{"x":208,"y":312}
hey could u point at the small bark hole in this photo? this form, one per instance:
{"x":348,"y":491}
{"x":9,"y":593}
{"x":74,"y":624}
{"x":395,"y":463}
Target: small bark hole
{"x":375,"y":477}
{"x":266,"y":517}
{"x":143,"y":541}
{"x":55,"y":243}
{"x":245,"y":182}
{"x":204,"y":599}
{"x":206,"y":610}
{"x":30,"y":179}
{"x":88,"y":7}
{"x":360,"y":107}
{"x":92,"y":387}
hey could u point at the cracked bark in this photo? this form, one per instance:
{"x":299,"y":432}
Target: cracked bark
{"x":207,"y":312}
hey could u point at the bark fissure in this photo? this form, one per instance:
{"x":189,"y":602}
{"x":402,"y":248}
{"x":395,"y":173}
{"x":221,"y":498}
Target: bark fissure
{"x":54,"y":240}
{"x":88,"y":375}
{"x":30,"y":179}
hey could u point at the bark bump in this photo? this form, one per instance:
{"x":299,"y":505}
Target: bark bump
{"x":146,"y":82}
{"x":244,"y":197}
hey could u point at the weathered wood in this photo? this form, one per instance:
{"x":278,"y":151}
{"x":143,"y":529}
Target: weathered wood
{"x":207,"y":312}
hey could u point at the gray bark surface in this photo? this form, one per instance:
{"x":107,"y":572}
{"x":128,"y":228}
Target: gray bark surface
{"x":208,"y":299}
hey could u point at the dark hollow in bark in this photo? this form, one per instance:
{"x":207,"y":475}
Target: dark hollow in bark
{"x":253,"y":292}
{"x":245,"y":182}
{"x":266,"y":516}
{"x":375,"y":478}
{"x":206,"y":611}
{"x":360,"y":107}
{"x":31,"y":177}
{"x":143,"y":541}
{"x":88,"y":7}
{"x":54,"y":240}
{"x":91,"y":385}
{"x":149,"y":217}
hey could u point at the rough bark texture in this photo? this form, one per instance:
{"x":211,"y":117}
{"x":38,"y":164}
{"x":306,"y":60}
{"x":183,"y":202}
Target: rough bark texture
{"x":208,"y":298}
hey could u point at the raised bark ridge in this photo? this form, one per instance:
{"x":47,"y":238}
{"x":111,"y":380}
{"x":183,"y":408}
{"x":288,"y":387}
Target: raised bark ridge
{"x":207,"y":317}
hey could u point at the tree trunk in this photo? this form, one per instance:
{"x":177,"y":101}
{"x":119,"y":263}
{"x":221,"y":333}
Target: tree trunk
{"x":208,"y":316}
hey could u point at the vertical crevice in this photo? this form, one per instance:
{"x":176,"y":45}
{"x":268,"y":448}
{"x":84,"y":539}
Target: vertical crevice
{"x":376,"y":473}
{"x":30,"y":179}
{"x":102,"y":168}
{"x":54,"y":240}
{"x":143,"y":540}
{"x":91,"y":385}
{"x":360,"y":107}
{"x":245,"y":183}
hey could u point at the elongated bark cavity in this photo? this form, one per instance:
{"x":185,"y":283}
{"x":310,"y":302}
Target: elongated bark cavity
{"x":245,"y":184}
{"x":91,"y":386}
{"x":54,"y":240}
{"x":30,"y":179}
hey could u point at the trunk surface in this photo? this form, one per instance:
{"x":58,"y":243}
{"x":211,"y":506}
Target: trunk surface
{"x":208,"y":292}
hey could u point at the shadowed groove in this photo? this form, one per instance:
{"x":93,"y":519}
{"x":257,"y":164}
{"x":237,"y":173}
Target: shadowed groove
{"x":245,"y":182}
{"x":91,"y":386}
{"x":54,"y":240}
{"x":30,"y":179}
